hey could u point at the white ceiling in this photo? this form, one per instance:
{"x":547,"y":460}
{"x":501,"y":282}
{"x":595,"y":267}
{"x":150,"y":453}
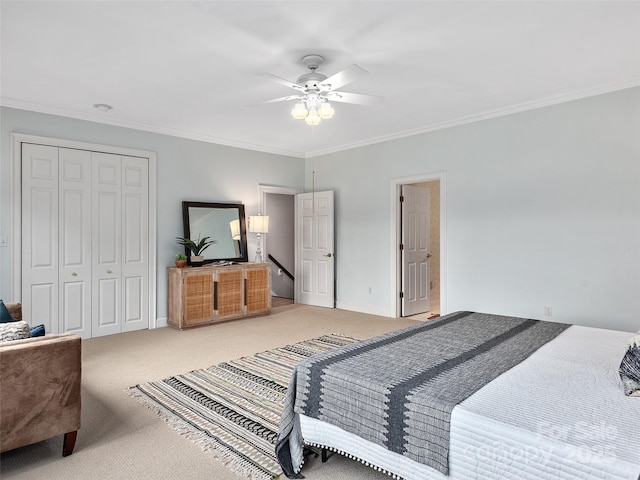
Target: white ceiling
{"x":190,"y":68}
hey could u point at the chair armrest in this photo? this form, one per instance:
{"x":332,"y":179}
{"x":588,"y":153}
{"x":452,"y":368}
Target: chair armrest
{"x":40,"y":389}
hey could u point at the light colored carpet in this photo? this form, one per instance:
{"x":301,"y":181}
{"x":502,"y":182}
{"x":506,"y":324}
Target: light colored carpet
{"x":280,"y":301}
{"x":121,"y":440}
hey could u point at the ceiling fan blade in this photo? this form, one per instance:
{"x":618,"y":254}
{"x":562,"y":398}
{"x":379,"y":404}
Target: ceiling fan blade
{"x":343,"y":77}
{"x":282,"y":81}
{"x":357,"y":98}
{"x":281,"y":99}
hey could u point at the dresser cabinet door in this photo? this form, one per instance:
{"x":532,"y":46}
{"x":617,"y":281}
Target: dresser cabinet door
{"x":198,"y":299}
{"x":229,"y":298}
{"x":258,"y":291}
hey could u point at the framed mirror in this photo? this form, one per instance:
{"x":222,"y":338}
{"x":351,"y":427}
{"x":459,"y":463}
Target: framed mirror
{"x":223,"y":222}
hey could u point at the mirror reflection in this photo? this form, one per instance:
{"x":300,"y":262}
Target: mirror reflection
{"x":222,"y":222}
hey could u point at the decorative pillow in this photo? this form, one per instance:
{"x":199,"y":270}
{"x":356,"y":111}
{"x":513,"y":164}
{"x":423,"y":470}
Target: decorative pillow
{"x":630,"y":368}
{"x":37,"y":331}
{"x":5,"y":316}
{"x":14,"y":331}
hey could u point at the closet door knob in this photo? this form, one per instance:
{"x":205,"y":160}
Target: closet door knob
{"x":109,"y":271}
{"x":75,"y":274}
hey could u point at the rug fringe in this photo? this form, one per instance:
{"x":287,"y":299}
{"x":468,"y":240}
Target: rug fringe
{"x":232,"y":414}
{"x":226,"y":456}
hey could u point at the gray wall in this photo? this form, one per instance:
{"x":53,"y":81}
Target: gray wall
{"x":542,"y":208}
{"x":186,"y":170}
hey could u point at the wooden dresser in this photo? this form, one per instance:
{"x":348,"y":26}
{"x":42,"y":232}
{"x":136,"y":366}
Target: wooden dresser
{"x":210,"y":294}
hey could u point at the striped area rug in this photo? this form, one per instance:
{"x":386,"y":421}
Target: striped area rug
{"x":233,"y":409}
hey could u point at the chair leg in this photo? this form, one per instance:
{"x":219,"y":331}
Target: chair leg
{"x":69,"y":443}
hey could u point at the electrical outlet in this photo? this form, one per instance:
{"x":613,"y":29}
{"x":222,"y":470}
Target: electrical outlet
{"x":548,"y":311}
{"x":4,"y":241}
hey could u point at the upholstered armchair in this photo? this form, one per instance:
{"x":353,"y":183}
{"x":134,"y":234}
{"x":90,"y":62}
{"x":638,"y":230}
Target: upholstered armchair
{"x":39,"y":389}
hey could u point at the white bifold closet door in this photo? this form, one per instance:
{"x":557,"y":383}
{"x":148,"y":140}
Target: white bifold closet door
{"x":120,"y":234}
{"x":85,"y":231}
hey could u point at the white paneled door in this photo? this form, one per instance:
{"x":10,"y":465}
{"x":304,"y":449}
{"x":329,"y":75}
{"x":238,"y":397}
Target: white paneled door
{"x":85,"y":225}
{"x":107,"y":244}
{"x":40,"y":227}
{"x":135,"y":243}
{"x":314,"y":271}
{"x":415,"y":249}
{"x":74,"y":238}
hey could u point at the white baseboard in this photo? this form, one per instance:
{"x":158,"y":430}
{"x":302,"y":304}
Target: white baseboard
{"x":383,"y":312}
{"x":161,"y":322}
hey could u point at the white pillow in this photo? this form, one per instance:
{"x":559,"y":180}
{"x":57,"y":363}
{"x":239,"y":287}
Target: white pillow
{"x":14,"y":331}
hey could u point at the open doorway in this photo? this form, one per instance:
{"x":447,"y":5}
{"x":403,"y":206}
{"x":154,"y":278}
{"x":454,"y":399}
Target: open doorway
{"x":279,"y":244}
{"x":418,"y":220}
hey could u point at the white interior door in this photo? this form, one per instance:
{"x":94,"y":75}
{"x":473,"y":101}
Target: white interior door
{"x":40,"y":291}
{"x":314,"y":270}
{"x":75,"y":241}
{"x":83,"y":232}
{"x":106,"y":240}
{"x":135,"y":253}
{"x":415,"y":249}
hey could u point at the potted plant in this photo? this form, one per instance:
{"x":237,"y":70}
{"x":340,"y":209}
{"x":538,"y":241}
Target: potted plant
{"x":181,"y":260}
{"x":196,"y":247}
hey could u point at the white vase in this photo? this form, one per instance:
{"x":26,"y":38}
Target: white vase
{"x":196,"y":261}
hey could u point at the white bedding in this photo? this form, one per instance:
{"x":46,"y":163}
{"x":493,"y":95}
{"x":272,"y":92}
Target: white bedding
{"x":560,"y":414}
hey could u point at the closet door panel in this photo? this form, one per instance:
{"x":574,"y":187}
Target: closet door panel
{"x":42,"y":299}
{"x":134,"y":311}
{"x":135,"y":261}
{"x":43,"y":229}
{"x":75,"y":241}
{"x":107,"y":307}
{"x":40,"y":233}
{"x":106,"y":241}
{"x":75,"y":315}
{"x":85,"y":249}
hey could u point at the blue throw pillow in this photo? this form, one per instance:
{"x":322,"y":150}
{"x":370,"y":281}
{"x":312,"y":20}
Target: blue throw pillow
{"x":5,"y":316}
{"x":37,"y":331}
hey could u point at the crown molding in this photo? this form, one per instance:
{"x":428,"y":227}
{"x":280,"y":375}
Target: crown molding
{"x":517,"y":108}
{"x":501,"y":112}
{"x":117,"y":122}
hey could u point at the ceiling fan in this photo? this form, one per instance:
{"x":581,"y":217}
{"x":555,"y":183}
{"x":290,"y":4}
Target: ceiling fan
{"x":316,"y":90}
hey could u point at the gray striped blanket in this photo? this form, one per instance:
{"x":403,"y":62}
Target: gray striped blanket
{"x":398,"y":390}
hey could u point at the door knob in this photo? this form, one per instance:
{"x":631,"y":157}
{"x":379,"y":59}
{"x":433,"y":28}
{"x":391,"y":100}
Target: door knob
{"x":75,"y":274}
{"x":109,"y":271}
{"x":429,"y":255}
{"x":328,"y":255}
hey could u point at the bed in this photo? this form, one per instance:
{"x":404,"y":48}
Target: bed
{"x":556,"y":410}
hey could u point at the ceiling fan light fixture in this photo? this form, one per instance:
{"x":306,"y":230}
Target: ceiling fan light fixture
{"x":326,"y":111}
{"x":299,"y":111}
{"x":313,"y":118}
{"x":314,"y":89}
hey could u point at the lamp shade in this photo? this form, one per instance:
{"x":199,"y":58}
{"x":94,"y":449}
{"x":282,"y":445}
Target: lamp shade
{"x":259,"y":224}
